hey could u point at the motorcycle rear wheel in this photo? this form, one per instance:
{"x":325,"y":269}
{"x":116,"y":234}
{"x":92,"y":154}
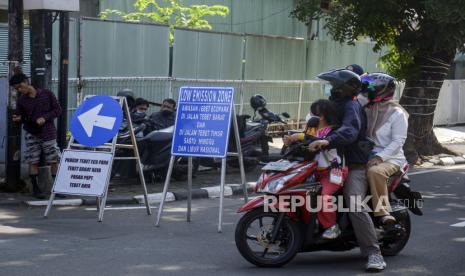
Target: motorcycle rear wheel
{"x":393,"y":248}
{"x":289,"y":236}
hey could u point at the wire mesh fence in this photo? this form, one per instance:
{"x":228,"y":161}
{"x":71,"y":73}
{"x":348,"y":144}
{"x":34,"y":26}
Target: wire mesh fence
{"x":293,"y":97}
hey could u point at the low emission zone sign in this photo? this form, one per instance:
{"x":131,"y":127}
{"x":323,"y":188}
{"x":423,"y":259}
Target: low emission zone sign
{"x":203,"y":121}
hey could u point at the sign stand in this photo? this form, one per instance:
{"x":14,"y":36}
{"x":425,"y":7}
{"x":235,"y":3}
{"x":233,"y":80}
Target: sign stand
{"x":108,"y":149}
{"x":237,"y":154}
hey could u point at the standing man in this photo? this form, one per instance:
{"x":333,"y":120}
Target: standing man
{"x":37,"y":110}
{"x":165,"y":117}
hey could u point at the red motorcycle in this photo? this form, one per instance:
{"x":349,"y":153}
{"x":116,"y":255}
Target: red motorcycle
{"x":277,"y":225}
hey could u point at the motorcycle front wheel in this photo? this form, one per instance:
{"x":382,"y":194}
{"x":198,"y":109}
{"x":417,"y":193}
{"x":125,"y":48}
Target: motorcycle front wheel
{"x":253,"y":235}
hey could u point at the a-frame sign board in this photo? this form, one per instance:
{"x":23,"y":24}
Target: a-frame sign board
{"x":203,"y":119}
{"x":85,"y":167}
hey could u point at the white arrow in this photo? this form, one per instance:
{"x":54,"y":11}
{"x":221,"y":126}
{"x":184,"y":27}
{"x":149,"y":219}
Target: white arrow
{"x":90,"y":118}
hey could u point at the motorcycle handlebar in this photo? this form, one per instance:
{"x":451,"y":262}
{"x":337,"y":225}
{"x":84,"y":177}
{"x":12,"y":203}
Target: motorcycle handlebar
{"x":270,"y":116}
{"x":298,"y":146}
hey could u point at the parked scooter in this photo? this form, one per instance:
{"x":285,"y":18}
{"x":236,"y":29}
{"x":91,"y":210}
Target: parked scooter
{"x":272,"y":239}
{"x":155,"y":149}
{"x":253,"y":136}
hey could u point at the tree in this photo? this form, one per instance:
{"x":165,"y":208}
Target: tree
{"x":170,"y":12}
{"x":422,"y":36}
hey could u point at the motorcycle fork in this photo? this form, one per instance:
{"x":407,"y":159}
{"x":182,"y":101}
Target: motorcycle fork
{"x":277,"y":226}
{"x":309,"y":230}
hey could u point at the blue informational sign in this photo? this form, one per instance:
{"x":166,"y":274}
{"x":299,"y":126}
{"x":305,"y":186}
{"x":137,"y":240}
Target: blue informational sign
{"x":203,"y":121}
{"x":96,"y":121}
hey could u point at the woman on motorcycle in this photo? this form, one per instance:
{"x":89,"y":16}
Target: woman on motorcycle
{"x":387,"y":128}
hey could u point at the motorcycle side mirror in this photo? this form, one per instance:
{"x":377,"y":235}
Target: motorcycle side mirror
{"x":286,"y":115}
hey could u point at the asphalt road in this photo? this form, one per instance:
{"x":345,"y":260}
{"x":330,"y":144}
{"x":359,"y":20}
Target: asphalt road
{"x":72,"y":242}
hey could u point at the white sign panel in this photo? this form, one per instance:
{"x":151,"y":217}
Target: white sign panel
{"x":56,"y":5}
{"x":83,"y":173}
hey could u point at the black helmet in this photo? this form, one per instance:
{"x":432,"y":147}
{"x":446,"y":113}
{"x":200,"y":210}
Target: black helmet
{"x":345,"y":83}
{"x":378,"y":87}
{"x":357,"y":69}
{"x":257,"y":102}
{"x":126,"y":92}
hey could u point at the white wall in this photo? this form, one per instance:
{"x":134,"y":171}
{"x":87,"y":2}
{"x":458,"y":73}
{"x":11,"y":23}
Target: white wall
{"x":451,"y":104}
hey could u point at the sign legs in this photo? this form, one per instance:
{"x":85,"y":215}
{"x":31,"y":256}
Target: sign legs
{"x":49,"y":205}
{"x":223,"y":177}
{"x":239,"y":154}
{"x":142,"y":181}
{"x":189,"y":188}
{"x":165,"y":190}
{"x":98,"y":204}
{"x":103,"y":202}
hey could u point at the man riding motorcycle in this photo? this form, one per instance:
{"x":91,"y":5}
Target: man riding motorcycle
{"x":351,"y":137}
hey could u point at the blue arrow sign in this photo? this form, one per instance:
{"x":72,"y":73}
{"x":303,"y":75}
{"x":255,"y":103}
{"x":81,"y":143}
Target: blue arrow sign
{"x":96,"y":121}
{"x":203,"y":121}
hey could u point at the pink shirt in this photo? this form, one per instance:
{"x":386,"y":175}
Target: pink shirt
{"x":325,"y":157}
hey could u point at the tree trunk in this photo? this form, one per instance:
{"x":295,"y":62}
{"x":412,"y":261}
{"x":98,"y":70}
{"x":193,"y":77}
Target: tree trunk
{"x":419,"y":98}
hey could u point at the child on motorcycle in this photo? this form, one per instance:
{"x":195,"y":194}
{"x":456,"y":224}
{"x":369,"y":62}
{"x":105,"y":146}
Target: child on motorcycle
{"x":328,"y":163}
{"x":328,"y":167}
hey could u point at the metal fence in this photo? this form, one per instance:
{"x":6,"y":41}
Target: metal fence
{"x":293,"y":97}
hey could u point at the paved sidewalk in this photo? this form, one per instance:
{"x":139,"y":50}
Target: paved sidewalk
{"x":450,"y":135}
{"x":452,"y":138}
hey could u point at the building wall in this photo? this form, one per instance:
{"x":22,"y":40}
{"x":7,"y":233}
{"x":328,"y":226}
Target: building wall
{"x":267,"y":17}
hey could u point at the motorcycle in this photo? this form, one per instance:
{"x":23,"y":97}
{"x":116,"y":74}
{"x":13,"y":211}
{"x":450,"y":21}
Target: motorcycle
{"x":154,"y":151}
{"x":126,"y":169}
{"x":272,"y":239}
{"x":155,"y":154}
{"x":254,"y":140}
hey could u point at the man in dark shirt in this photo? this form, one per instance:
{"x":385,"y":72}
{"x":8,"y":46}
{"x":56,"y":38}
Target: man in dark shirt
{"x":36,"y":110}
{"x":165,"y":117}
{"x":351,"y":137}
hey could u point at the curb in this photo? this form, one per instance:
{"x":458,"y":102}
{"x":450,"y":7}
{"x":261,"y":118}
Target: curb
{"x":452,"y":160}
{"x":202,"y":193}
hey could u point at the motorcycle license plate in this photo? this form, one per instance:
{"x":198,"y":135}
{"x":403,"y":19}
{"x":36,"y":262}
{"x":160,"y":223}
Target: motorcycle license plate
{"x":278,"y":166}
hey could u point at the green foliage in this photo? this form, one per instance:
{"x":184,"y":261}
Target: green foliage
{"x":412,"y":29}
{"x":170,"y":12}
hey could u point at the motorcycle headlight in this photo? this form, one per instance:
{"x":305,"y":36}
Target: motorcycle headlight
{"x":277,"y":184}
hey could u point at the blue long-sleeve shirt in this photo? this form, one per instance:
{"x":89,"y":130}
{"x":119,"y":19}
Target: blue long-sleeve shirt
{"x":351,"y":131}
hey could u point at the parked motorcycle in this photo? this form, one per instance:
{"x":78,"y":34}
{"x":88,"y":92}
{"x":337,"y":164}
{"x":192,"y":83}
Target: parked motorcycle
{"x":253,"y":136}
{"x":272,"y":239}
{"x":155,"y":149}
{"x":126,"y":169}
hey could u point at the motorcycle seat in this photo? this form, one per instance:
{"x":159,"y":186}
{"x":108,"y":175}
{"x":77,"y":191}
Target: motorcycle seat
{"x":159,"y":135}
{"x":251,"y":125}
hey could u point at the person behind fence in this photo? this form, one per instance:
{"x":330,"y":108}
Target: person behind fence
{"x":387,"y":128}
{"x":37,"y":109}
{"x":139,"y":114}
{"x":165,"y":117}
